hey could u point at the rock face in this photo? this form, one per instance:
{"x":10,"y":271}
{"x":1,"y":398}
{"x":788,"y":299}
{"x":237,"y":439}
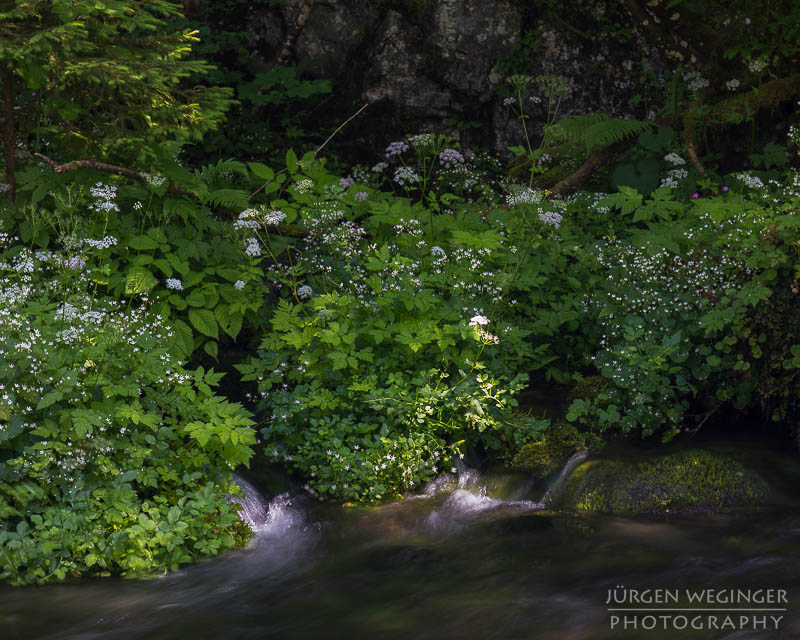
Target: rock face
{"x":441,"y":64}
{"x":691,"y":482}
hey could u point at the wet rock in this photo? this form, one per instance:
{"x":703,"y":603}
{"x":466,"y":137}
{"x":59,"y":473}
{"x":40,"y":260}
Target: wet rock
{"x":690,"y":482}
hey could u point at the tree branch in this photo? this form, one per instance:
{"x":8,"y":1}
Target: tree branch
{"x":574,"y":180}
{"x":75,"y":165}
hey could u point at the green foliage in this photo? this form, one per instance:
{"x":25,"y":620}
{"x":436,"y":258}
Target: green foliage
{"x":115,"y":459}
{"x":159,"y":246}
{"x":677,"y":311}
{"x":106,"y":80}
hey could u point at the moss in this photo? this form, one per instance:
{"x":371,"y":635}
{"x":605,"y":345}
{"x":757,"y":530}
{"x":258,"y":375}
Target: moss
{"x":686,"y":482}
{"x":589,"y":388}
{"x":548,"y":455}
{"x":767,"y":96}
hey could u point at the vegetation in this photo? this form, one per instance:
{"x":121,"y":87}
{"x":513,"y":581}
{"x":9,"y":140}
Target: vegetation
{"x":381,"y":320}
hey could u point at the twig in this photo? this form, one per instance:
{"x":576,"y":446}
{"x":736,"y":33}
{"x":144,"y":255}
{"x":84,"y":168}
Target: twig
{"x":317,"y":150}
{"x":339,"y":128}
{"x":706,"y":416}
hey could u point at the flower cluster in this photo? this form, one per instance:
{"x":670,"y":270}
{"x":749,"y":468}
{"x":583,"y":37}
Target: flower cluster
{"x":395,"y":149}
{"x":695,"y":81}
{"x":275,"y":217}
{"x":450,"y":158}
{"x":253,"y":248}
{"x":405,"y":176}
{"x":674,"y":159}
{"x":104,"y":198}
{"x":551,"y":218}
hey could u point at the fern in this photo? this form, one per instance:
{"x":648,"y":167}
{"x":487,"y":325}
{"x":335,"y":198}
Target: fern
{"x":595,"y":130}
{"x":230,"y":198}
{"x":573,"y":128}
{"x":222,"y":169}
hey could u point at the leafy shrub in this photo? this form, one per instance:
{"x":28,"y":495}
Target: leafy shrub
{"x":113,"y":457}
{"x":677,"y":309}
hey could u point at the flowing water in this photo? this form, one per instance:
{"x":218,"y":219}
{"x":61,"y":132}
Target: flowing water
{"x":471,"y":557}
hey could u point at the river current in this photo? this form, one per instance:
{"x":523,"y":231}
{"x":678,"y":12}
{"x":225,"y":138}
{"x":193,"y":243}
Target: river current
{"x":471,"y":557}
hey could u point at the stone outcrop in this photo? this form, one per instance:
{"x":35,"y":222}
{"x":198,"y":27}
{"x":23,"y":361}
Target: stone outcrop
{"x":441,"y":64}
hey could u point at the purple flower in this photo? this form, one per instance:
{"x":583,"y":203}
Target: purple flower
{"x":396,"y":148}
{"x":509,"y":101}
{"x":724,"y":188}
{"x":360,"y":196}
{"x":695,"y":195}
{"x":347,"y":182}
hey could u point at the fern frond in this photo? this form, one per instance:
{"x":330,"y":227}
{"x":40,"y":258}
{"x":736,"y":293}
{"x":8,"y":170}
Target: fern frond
{"x":611,"y":131}
{"x":573,"y":128}
{"x":222,"y":168}
{"x":595,"y":130}
{"x":230,"y":198}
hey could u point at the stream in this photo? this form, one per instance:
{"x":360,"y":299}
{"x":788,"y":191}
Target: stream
{"x":473,"y":556}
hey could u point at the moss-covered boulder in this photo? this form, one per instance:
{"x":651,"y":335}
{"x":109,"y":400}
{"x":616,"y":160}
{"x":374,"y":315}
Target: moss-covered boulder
{"x":547,"y":455}
{"x":687,"y":482}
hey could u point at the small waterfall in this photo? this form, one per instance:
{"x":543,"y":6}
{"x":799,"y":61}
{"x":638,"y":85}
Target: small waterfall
{"x":468,"y":493}
{"x":557,"y":484}
{"x":254,"y":512}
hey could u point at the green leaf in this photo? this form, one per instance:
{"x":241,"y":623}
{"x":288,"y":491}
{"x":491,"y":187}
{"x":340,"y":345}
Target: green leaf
{"x":261,"y":171}
{"x":196,"y":298}
{"x":204,"y":321}
{"x":291,"y":161}
{"x":139,"y":280}
{"x":142,"y":243}
{"x":183,"y":338}
{"x":211,"y":348}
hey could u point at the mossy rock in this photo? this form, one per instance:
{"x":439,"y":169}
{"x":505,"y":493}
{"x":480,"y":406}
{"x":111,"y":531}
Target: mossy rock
{"x":690,"y":482}
{"x":546,"y":456}
{"x":589,"y":388}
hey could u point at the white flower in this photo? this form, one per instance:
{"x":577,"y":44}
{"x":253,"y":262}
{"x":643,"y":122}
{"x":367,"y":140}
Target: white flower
{"x":174,"y":283}
{"x":524,"y":196}
{"x":274,"y":217}
{"x":756,"y":66}
{"x":154,"y":180}
{"x":475,"y":321}
{"x":253,"y":249}
{"x":379,"y":167}
{"x":732,"y":85}
{"x":438,"y":253}
{"x":305,"y":292}
{"x":695,"y":81}
{"x":403,"y":175}
{"x":674,"y":159}
{"x":108,"y":241}
{"x":238,"y":285}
